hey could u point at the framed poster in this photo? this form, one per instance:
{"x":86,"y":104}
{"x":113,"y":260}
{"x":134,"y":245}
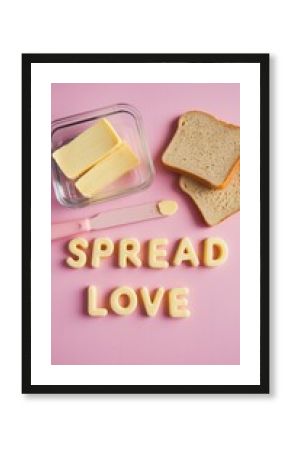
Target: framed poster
{"x":145,"y":223}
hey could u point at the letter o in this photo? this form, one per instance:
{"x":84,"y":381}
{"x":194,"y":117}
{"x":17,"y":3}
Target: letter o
{"x":115,"y":301}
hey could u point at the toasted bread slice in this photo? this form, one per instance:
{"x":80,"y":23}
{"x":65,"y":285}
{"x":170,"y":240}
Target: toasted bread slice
{"x":215,"y":205}
{"x":204,"y":148}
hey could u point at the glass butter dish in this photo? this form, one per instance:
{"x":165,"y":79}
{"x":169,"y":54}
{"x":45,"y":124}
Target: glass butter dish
{"x":127,"y":122}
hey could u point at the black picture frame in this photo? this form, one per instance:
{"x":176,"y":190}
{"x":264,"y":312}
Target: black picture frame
{"x":263,"y":61}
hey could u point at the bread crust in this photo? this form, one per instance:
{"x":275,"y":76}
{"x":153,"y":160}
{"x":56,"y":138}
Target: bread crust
{"x":205,"y":182}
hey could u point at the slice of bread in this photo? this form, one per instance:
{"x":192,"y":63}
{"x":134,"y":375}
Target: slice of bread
{"x":215,"y":205}
{"x":205,"y":148}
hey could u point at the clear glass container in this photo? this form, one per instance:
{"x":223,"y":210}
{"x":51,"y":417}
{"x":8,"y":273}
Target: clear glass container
{"x":127,"y":122}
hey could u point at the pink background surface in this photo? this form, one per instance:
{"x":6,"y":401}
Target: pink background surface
{"x":212,"y":334}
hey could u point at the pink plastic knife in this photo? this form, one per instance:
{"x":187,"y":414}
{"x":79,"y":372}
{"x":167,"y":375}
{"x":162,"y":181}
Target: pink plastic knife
{"x":109,"y":219}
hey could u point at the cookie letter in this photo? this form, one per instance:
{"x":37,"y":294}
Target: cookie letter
{"x":178,"y":302}
{"x":215,"y":252}
{"x":155,"y":252}
{"x":115,"y":301}
{"x":185,"y":252}
{"x":151,"y":306}
{"x":93,"y":309}
{"x":128,"y":251}
{"x":102,"y":248}
{"x":73,"y":247}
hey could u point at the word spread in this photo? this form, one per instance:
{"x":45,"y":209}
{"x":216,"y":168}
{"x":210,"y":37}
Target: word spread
{"x":215,"y":253}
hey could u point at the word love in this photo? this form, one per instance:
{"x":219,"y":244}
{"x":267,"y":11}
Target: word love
{"x":215,"y":253}
{"x":124,"y":301}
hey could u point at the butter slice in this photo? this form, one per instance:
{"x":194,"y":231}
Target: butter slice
{"x":167,"y":207}
{"x":118,"y":162}
{"x":87,"y":149}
